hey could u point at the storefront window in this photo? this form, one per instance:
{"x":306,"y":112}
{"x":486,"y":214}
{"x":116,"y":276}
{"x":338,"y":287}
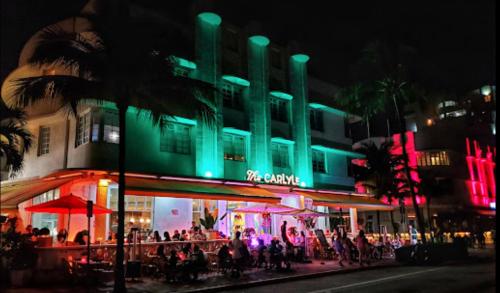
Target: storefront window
{"x":45,"y":220}
{"x":138,"y":210}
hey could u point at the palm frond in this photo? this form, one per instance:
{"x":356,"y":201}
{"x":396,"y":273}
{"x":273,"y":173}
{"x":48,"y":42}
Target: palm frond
{"x":70,"y":89}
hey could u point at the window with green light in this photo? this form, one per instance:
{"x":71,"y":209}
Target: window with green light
{"x":231,"y":94}
{"x":316,"y":117}
{"x":176,"y":138}
{"x":281,"y":155}
{"x":279,"y":109}
{"x":318,"y":161}
{"x":234,"y":147}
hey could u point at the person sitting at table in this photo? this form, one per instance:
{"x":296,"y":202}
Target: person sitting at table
{"x":62,"y":235}
{"x":379,"y":247}
{"x":185,"y":252}
{"x":198,"y":234}
{"x":171,"y":266}
{"x":224,"y":258}
{"x":198,"y":262}
{"x":176,"y":236}
{"x":156,"y":236}
{"x":261,"y":258}
{"x":80,"y":237}
{"x":276,"y":252}
{"x":184,"y":235}
{"x":166,"y":236}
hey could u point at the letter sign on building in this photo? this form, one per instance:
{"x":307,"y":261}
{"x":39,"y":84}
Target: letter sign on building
{"x":283,"y":179}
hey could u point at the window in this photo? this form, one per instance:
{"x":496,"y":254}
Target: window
{"x":281,"y":155}
{"x":199,"y":206}
{"x":234,"y":147}
{"x":138,"y":209}
{"x":316,"y":117}
{"x":83,"y":129}
{"x":318,"y":161}
{"x":45,"y":220}
{"x":111,"y":132}
{"x":231,"y":95}
{"x":279,"y":109}
{"x":43,"y":140}
{"x":176,"y":138}
{"x":426,"y":159}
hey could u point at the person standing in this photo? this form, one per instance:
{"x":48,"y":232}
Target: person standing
{"x":413,"y":235}
{"x":339,"y":248}
{"x":362,"y":246}
{"x":236,"y":246}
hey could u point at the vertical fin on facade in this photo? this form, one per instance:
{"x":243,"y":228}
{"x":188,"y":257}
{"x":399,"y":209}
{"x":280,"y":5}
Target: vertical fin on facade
{"x":301,"y":124}
{"x":259,"y":111}
{"x":209,"y":143}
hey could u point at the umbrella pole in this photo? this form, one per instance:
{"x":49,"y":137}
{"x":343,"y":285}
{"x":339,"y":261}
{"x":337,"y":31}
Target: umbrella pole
{"x":69,"y":220}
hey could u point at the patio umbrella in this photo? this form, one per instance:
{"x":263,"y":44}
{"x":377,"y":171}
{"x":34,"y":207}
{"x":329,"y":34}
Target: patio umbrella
{"x":304,"y":213}
{"x":69,"y":204}
{"x":264,"y":208}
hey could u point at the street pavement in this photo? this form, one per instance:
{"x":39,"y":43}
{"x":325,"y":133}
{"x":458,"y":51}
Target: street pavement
{"x":469,"y":277}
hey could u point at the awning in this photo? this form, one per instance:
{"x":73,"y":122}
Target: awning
{"x":197,"y":189}
{"x":338,"y":200}
{"x":14,"y":193}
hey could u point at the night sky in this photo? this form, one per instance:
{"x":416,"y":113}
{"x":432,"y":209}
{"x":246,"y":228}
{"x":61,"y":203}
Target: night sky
{"x":456,"y":39}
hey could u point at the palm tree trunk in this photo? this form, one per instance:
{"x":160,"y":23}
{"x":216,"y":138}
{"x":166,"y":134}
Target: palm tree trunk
{"x":402,"y":131}
{"x":378,"y":222}
{"x":393,"y":223}
{"x":119,"y":285}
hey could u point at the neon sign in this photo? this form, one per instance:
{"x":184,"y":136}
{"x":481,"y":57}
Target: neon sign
{"x":283,"y":179}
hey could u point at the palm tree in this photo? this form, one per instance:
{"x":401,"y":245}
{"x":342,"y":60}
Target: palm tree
{"x":380,"y":173}
{"x":124,"y":61}
{"x":383,"y":73}
{"x":15,"y":140}
{"x":432,"y":188}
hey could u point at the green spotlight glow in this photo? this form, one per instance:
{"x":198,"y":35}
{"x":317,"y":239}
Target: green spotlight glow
{"x":281,"y":95}
{"x":337,"y":151}
{"x":210,"y":18}
{"x":302,"y":58}
{"x":327,"y":109}
{"x":185,"y":63}
{"x":208,"y":174}
{"x":236,"y":80}
{"x":259,"y":40}
{"x":236,"y":131}
{"x":282,"y":140}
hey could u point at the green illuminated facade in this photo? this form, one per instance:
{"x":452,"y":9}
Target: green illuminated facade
{"x":262,"y":124}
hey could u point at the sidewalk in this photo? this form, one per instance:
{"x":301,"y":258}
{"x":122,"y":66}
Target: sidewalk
{"x":254,"y":277}
{"x":217,"y":282}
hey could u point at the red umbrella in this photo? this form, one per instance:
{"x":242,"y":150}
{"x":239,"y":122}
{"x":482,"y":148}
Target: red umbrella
{"x":70,"y":204}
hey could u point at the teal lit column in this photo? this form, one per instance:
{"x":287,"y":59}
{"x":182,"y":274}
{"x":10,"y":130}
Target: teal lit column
{"x":258,"y":105}
{"x":301,"y":125}
{"x":209,"y":144}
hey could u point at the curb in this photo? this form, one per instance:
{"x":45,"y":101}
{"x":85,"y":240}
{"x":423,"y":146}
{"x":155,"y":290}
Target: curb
{"x":288,"y":278}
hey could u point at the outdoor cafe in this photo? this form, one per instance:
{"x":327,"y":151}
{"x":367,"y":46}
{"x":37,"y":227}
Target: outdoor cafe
{"x":255,"y":210}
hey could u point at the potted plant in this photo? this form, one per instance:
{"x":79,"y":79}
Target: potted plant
{"x":208,"y":222}
{"x":18,"y":252}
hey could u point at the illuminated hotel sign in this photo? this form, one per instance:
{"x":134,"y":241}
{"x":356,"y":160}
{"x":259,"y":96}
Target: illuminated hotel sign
{"x":283,"y":179}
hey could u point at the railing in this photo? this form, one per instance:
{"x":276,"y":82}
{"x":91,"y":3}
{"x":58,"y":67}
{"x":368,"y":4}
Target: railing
{"x":51,"y":258}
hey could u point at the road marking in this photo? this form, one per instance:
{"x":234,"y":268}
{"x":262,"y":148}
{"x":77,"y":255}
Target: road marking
{"x":333,"y":289}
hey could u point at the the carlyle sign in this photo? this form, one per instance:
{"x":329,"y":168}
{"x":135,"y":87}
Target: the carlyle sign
{"x":283,"y":179}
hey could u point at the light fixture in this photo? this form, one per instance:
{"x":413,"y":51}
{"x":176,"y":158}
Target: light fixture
{"x":208,"y":174}
{"x":429,"y":122}
{"x":486,"y":90}
{"x":141,"y":220}
{"x":114,"y":136}
{"x":148,"y":221}
{"x":132,"y":220}
{"x":302,"y":184}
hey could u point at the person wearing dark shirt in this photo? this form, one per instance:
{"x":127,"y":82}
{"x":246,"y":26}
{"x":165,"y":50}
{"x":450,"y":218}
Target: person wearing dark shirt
{"x":176,"y":236}
{"x":166,"y":236}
